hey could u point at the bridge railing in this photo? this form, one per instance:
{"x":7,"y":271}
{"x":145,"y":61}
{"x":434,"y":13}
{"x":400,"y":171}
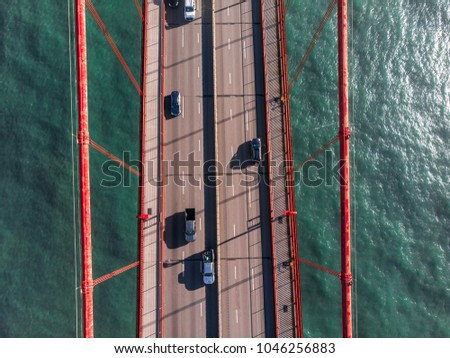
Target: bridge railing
{"x":290,"y":182}
{"x":142,"y":177}
{"x":161,"y":171}
{"x":269,"y":167}
{"x":284,"y":234}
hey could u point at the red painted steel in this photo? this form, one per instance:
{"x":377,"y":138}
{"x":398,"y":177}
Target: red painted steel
{"x":111,"y":42}
{"x":143,"y":216}
{"x":162,"y":217}
{"x":111,"y":156}
{"x":319,"y":267}
{"x":344,"y":136}
{"x":318,"y":152}
{"x":114,"y":273}
{"x":142,"y":177}
{"x":290,"y":184}
{"x":269,"y":169}
{"x":313,"y":42}
{"x":83,"y":141}
{"x":138,"y":8}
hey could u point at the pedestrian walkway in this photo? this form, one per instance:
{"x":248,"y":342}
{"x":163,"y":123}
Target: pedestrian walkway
{"x":149,"y":299}
{"x":280,"y":147}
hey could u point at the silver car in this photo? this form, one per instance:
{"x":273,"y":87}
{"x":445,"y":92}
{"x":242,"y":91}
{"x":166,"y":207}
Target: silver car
{"x":208,"y":267}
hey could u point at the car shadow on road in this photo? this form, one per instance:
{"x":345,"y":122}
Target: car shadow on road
{"x":191,"y":277}
{"x":242,"y":158}
{"x":167,"y":114}
{"x":174,"y":15}
{"x":174,"y":231}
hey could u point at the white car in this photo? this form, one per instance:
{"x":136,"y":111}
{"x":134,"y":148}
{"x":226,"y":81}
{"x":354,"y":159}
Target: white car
{"x":208,"y":267}
{"x":189,"y":10}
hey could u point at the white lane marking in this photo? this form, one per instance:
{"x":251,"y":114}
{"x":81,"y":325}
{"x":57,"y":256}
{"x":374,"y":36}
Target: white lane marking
{"x":182,"y":37}
{"x":246,"y":120}
{"x":229,"y":44}
{"x":200,"y":184}
{"x":228,"y":11}
{"x":231,"y":114}
{"x":235,"y":272}
{"x":199,"y":145}
{"x":232,"y":151}
{"x":198,"y":37}
{"x":182,"y":185}
{"x":198,"y":72}
{"x":232,"y":190}
{"x":245,"y":51}
{"x":229,"y":78}
{"x":201,"y":309}
{"x":198,"y":107}
{"x":253,"y":280}
{"x":182,"y":263}
{"x":200,"y":222}
{"x":181,"y":105}
{"x":237,"y":317}
{"x":257,"y":323}
{"x":250,"y":197}
{"x":234,"y":229}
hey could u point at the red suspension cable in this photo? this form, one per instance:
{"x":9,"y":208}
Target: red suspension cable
{"x":138,"y":8}
{"x":344,"y":136}
{"x":83,"y":140}
{"x":102,"y":26}
{"x":115,"y":273}
{"x":111,"y":156}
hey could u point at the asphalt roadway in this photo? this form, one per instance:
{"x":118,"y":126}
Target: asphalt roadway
{"x":234,"y":226}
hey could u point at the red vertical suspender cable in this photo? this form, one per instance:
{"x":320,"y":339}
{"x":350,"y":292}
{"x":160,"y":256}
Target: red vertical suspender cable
{"x":344,"y":135}
{"x":83,"y":140}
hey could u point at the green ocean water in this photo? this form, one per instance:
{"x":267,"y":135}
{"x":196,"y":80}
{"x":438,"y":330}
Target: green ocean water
{"x":399,"y":116}
{"x":399,"y":108}
{"x":39,"y":213}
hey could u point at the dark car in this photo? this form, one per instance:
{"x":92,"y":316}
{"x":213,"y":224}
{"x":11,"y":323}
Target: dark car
{"x":256,"y":149}
{"x":173,"y":3}
{"x":175,"y":98}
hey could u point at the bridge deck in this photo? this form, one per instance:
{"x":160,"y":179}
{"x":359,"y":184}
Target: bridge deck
{"x":151,"y":153}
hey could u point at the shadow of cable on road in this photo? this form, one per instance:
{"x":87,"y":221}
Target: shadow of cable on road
{"x":191,"y":276}
{"x":210,"y":170}
{"x":250,"y":229}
